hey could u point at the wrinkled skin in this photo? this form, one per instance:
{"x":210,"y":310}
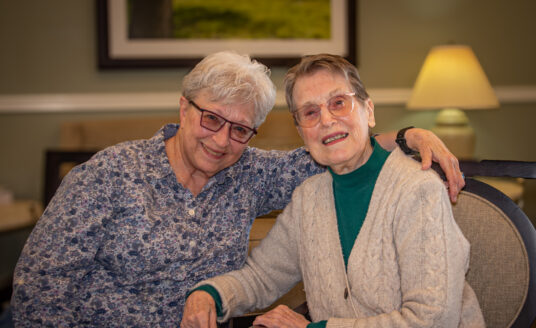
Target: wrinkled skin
{"x":281,"y":316}
{"x":199,"y":311}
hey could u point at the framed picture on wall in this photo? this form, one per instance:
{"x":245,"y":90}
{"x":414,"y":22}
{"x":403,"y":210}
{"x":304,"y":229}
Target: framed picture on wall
{"x":178,"y":33}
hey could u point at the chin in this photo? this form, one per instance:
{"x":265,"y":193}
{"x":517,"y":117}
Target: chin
{"x":340,"y":158}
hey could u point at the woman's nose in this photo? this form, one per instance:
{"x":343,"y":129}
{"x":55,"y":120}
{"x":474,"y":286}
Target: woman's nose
{"x":221,"y":137}
{"x":326,"y":118}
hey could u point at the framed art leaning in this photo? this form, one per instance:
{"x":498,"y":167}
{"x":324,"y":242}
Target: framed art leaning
{"x":178,"y":33}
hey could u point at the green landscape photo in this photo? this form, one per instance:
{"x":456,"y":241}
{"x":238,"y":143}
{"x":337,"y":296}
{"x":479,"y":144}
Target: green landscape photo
{"x":243,"y":19}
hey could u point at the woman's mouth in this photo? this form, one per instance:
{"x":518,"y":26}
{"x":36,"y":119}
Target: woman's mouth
{"x":334,"y":137}
{"x":213,"y":152}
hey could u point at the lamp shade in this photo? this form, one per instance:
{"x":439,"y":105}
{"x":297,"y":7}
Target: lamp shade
{"x":452,"y":77}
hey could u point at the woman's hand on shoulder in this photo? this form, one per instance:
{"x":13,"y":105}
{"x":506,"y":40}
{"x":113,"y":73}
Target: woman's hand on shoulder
{"x":431,"y":148}
{"x":281,"y":316}
{"x":199,"y":311}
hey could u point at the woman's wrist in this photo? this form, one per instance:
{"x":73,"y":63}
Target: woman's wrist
{"x":402,"y":142}
{"x":213,"y":293}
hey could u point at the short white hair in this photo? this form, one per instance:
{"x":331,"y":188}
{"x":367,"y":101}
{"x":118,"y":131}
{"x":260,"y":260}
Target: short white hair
{"x":231,"y":78}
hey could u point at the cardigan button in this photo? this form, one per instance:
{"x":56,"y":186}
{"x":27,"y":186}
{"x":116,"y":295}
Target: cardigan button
{"x":346,"y":293}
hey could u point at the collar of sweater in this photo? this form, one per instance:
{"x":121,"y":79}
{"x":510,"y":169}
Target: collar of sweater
{"x":366,"y":173}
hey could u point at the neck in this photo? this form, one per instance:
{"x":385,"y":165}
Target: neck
{"x":354,"y":164}
{"x":187,"y":175}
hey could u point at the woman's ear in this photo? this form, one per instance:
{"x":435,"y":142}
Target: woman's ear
{"x":183,"y":105}
{"x":369,"y":108}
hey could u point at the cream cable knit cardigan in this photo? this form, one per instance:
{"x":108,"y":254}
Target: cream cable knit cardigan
{"x":406,"y":269}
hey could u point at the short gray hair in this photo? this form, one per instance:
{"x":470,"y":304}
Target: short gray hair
{"x":333,"y":63}
{"x":231,"y":78}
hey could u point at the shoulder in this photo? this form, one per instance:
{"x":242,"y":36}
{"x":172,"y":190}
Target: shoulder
{"x":318,"y":180}
{"x":315,"y":187}
{"x":143,"y":149}
{"x":253,"y":153}
{"x":124,"y":152}
{"x":404,"y":170}
{"x":280,"y":160}
{"x":127,"y":155}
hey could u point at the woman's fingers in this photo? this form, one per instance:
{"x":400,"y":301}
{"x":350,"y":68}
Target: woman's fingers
{"x":281,"y":316}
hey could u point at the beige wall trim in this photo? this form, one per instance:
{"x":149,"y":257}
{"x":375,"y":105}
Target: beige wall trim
{"x":146,"y":101}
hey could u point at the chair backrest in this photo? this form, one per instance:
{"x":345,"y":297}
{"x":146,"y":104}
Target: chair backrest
{"x":503,"y":254}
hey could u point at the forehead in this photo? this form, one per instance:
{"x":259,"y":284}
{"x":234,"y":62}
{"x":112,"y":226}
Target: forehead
{"x":318,"y":86}
{"x":234,"y":111}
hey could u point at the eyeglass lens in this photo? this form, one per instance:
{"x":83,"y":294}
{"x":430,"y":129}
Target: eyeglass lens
{"x":340,"y":105}
{"x":214,"y":122}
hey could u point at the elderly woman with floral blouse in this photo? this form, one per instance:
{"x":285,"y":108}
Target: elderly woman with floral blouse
{"x":373,"y":238}
{"x":129,"y":232}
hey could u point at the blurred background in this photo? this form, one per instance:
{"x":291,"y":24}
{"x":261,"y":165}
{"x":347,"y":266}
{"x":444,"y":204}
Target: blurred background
{"x":48,"y":52}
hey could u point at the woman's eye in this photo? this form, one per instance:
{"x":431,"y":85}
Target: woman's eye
{"x":310,"y":112}
{"x":239,"y":129}
{"x":337,"y":103}
{"x":212,"y":118}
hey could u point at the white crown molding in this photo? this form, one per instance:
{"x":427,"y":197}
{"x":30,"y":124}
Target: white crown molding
{"x":516,"y":94}
{"x":88,"y":102}
{"x":148,"y":101}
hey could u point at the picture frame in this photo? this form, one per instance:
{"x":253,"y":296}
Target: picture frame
{"x":116,"y":50}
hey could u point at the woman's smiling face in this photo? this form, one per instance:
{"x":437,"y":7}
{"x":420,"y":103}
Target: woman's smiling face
{"x":206,"y":151}
{"x":341,"y":143}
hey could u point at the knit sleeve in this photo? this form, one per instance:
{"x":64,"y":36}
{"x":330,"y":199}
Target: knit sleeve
{"x":432,"y":257}
{"x":270,"y":271}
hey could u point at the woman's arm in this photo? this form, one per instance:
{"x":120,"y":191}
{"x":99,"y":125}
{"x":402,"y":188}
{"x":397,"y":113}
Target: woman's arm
{"x":282,"y":172}
{"x":60,"y":251}
{"x":431,"y":148}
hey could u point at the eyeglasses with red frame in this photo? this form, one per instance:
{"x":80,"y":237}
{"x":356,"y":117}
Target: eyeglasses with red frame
{"x":214,"y":122}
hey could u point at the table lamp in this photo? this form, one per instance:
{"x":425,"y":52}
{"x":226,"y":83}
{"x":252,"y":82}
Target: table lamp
{"x":452,"y":80}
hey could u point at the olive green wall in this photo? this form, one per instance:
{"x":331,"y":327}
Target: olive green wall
{"x":50,"y":47}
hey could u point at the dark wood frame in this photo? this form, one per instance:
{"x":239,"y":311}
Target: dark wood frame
{"x":493,"y":168}
{"x":105,"y":61}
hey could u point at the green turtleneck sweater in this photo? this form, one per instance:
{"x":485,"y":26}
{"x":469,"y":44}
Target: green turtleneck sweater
{"x":352,"y":197}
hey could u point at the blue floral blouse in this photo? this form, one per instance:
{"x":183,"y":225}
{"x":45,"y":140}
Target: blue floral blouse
{"x":122,"y":242}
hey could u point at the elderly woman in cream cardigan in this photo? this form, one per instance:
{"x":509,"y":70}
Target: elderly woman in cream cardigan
{"x":373,"y":238}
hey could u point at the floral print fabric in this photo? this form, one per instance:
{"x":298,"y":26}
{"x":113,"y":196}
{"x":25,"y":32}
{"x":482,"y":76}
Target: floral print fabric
{"x":122,"y":242}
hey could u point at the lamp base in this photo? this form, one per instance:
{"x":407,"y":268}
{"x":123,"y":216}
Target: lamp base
{"x":452,"y":127}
